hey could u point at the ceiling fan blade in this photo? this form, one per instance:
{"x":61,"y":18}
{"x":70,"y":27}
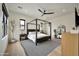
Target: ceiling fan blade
{"x":50,"y":13}
{"x":42,"y":14}
{"x":40,"y":10}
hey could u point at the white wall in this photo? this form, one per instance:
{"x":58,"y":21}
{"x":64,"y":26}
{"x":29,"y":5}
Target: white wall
{"x":16,"y":16}
{"x":1,"y":22}
{"x":3,"y":45}
{"x":67,"y":19}
{"x":3,"y":40}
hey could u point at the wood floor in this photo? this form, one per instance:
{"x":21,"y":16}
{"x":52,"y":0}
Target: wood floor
{"x":15,"y":49}
{"x":56,"y":52}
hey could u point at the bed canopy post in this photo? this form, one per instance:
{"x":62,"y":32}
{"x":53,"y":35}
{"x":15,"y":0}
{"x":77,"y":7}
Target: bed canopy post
{"x":36,"y":32}
{"x":39,"y":27}
{"x":50,"y":29}
{"x":27,"y":28}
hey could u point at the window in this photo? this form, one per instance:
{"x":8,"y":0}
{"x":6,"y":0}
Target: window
{"x":4,"y":25}
{"x":22,"y":24}
{"x":4,"y":22}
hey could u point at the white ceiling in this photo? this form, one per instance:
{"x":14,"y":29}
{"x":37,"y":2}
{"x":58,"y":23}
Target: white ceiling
{"x":31,"y":9}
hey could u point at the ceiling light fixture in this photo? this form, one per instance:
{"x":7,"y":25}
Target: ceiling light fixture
{"x":20,"y":7}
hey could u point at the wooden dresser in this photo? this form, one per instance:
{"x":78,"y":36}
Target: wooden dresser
{"x":70,"y":44}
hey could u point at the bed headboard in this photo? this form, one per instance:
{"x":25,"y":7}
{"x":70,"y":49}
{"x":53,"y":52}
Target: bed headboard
{"x":32,"y":30}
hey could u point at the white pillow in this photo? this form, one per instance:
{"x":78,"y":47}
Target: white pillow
{"x":32,"y":32}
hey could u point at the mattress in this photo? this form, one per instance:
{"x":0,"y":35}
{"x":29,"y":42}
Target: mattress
{"x":32,"y":36}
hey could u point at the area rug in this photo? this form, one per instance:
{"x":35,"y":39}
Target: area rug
{"x":42,"y":49}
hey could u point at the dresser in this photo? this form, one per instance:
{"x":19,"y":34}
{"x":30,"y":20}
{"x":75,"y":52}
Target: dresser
{"x":70,"y":44}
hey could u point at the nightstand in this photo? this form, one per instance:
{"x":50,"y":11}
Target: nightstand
{"x":23,"y":37}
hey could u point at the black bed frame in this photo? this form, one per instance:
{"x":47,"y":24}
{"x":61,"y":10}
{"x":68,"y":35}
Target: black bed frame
{"x":36,"y":30}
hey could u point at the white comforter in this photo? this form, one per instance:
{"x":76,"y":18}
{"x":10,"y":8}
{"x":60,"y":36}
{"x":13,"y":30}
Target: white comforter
{"x":32,"y":36}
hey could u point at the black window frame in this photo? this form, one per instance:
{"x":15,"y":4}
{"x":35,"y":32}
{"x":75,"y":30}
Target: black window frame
{"x":22,"y":25}
{"x":5,"y":17}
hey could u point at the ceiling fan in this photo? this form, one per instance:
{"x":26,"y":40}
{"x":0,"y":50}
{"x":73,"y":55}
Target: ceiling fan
{"x":44,"y":12}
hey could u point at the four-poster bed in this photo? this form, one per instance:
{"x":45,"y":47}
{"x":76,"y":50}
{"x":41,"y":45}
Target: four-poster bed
{"x":34,"y":34}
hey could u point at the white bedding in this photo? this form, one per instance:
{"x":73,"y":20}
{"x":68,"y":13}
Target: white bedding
{"x":32,"y":36}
